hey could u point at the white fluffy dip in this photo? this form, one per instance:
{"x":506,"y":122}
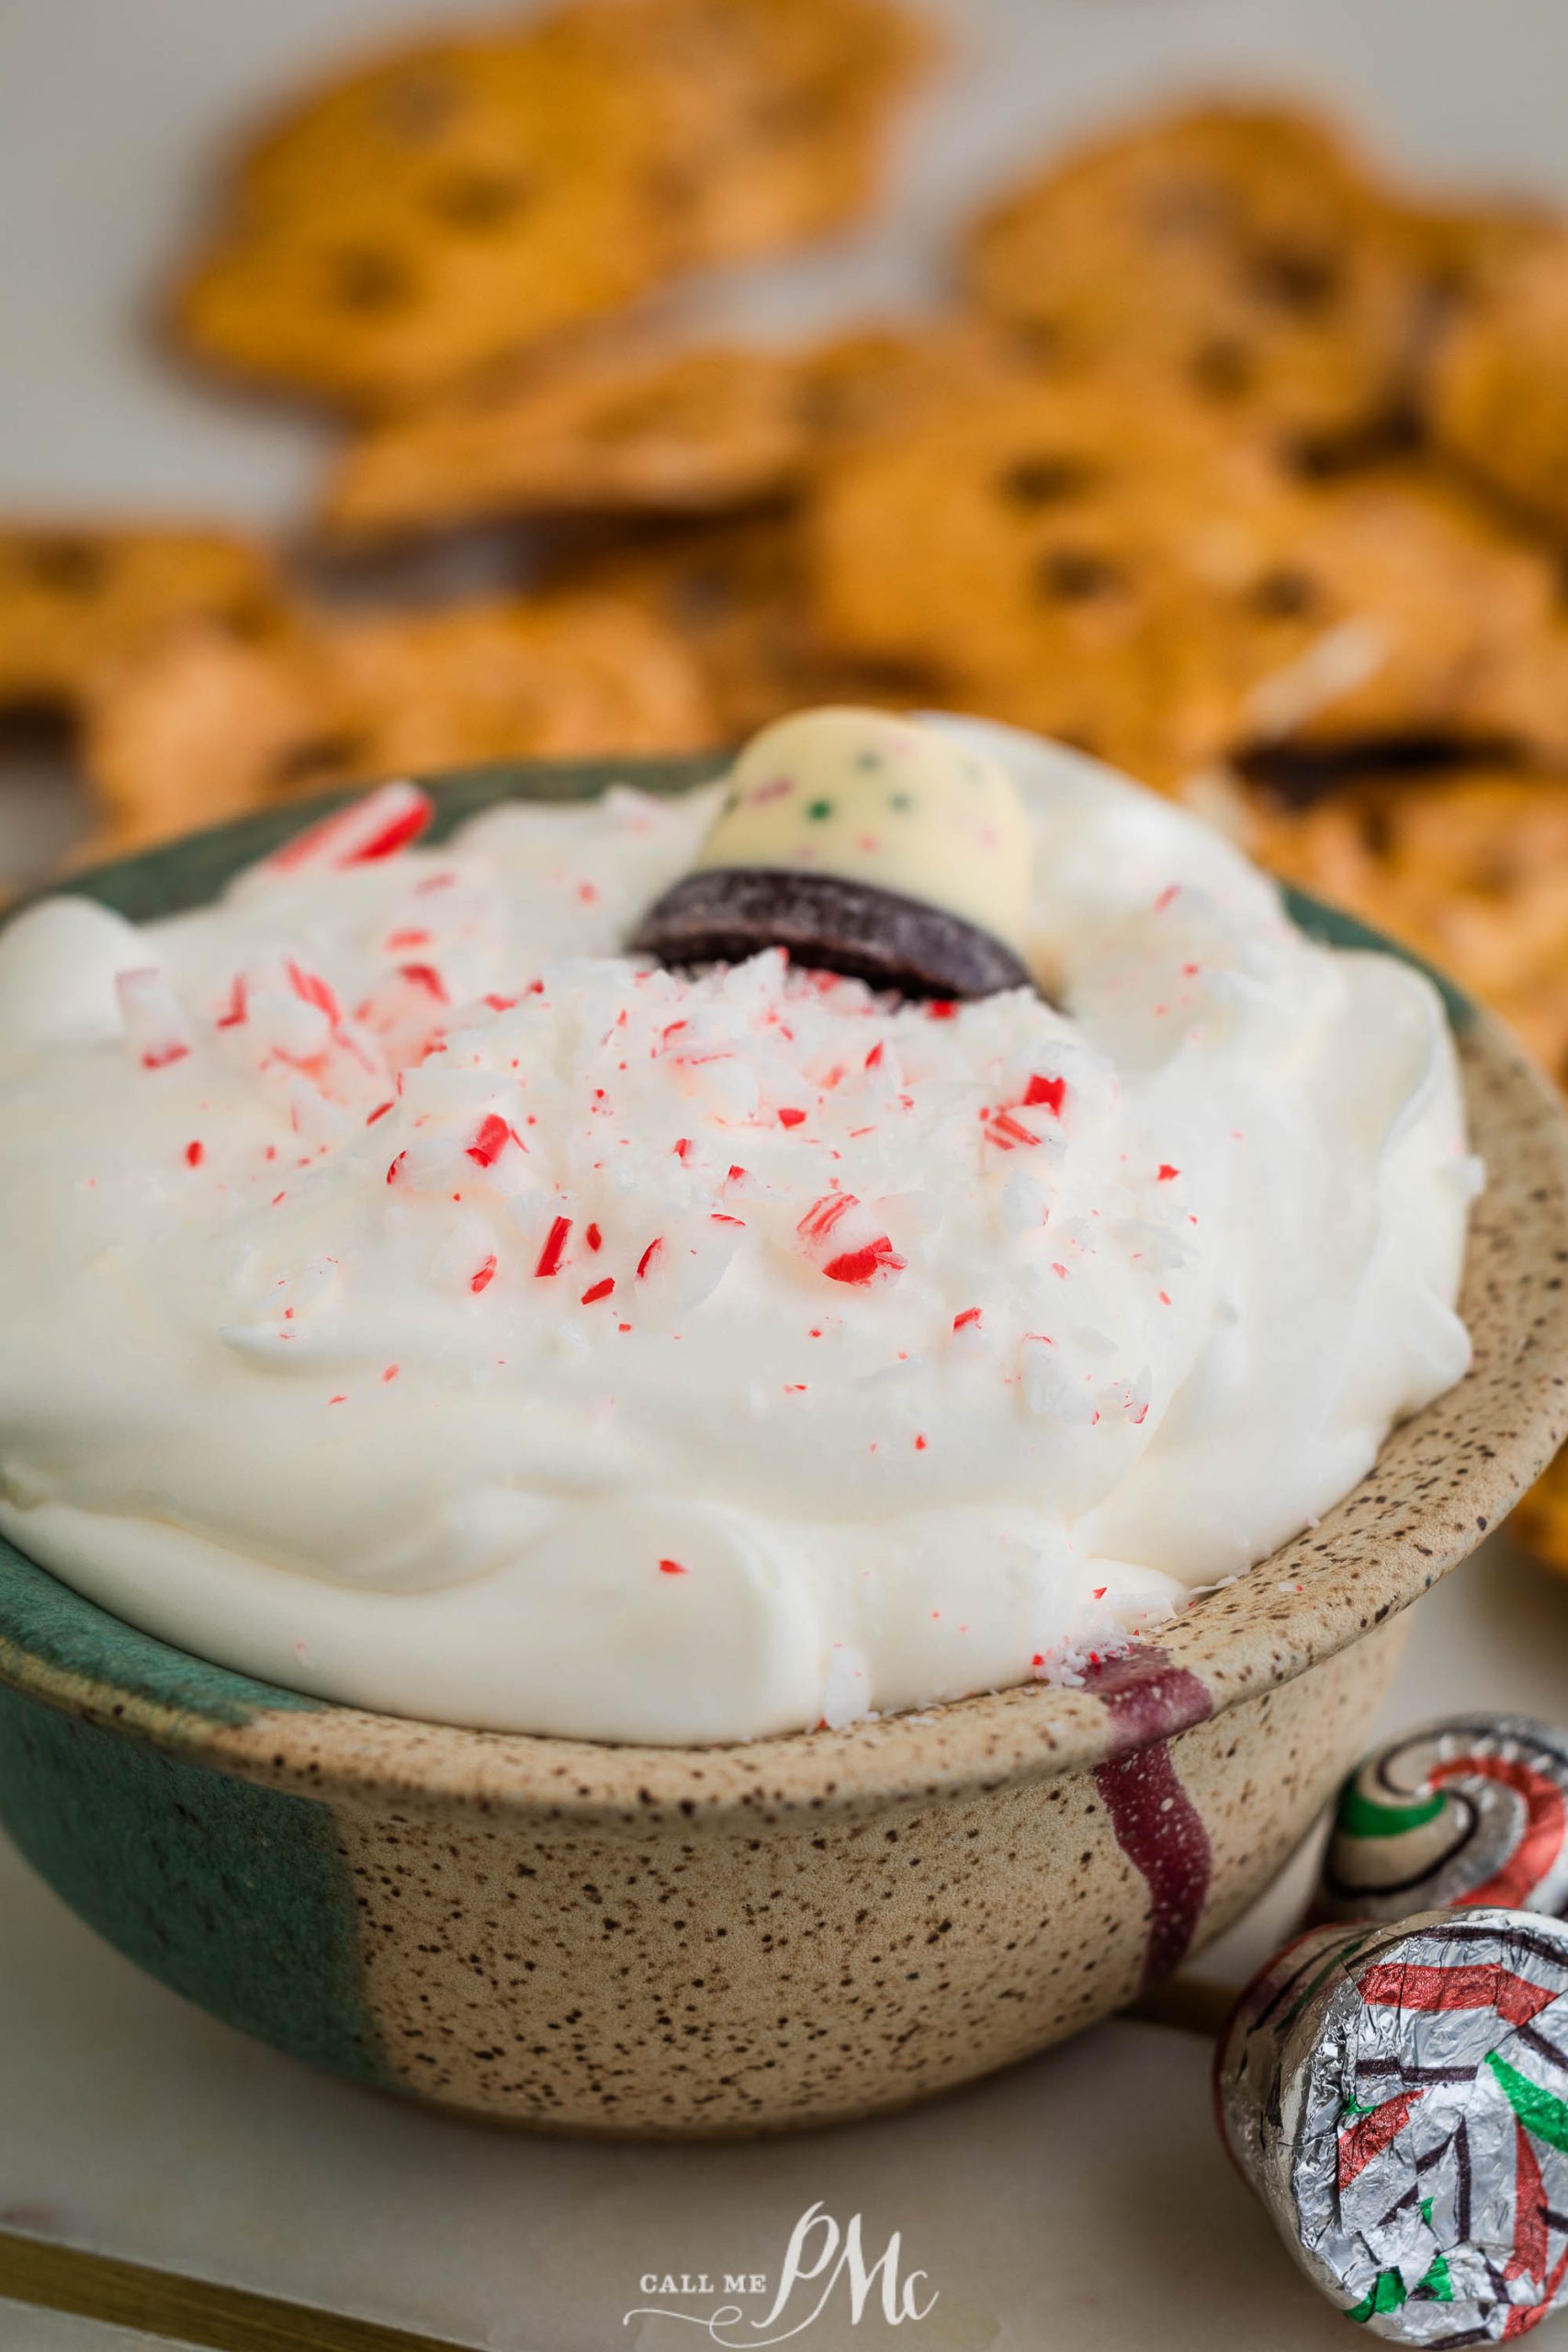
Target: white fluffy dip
{"x":412,"y":1299}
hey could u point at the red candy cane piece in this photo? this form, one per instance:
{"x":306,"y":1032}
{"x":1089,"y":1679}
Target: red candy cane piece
{"x":379,"y":825}
{"x":493,"y":1136}
{"x":155,"y":1025}
{"x":822,"y":1217}
{"x":877,"y":1261}
{"x":311,"y":989}
{"x":233,"y":1013}
{"x":554,"y":1250}
{"x":845,"y":1241}
{"x":1001,"y":1124}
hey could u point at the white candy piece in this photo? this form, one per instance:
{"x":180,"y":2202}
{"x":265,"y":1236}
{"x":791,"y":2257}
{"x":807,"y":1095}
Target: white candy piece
{"x":872,"y":797}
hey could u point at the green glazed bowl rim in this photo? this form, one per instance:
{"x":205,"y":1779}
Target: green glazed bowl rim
{"x":1442,"y":1479}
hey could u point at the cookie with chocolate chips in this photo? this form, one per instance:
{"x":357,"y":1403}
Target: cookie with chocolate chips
{"x":736,"y":591}
{"x":1498,"y":395}
{"x":1140,"y":582}
{"x":1075,"y":561}
{"x":1242,"y":253}
{"x":76,"y":597}
{"x":1401,"y":610}
{"x":645,"y":427}
{"x":456,"y":200}
{"x":1466,"y":865}
{"x":688,"y":431}
{"x":208,"y":726}
{"x":436,"y":210}
{"x":776,"y":115}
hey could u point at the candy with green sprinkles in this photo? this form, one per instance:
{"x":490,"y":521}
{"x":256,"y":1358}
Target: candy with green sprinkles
{"x":1398,"y":2099}
{"x":863,"y":843}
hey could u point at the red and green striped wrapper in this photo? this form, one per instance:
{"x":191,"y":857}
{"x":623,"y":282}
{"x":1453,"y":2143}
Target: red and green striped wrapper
{"x":1398,"y":2099}
{"x":1472,"y":1811}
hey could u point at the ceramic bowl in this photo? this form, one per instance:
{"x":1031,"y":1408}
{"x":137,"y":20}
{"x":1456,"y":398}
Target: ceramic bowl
{"x":663,"y":1942}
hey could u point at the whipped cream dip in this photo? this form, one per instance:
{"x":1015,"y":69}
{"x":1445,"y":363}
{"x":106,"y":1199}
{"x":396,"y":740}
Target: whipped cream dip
{"x":414,"y":1300}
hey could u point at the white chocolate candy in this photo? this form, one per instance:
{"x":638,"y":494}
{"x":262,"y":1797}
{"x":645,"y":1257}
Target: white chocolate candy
{"x":870,"y":797}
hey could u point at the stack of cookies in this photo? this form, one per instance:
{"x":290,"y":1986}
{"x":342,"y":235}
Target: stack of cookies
{"x":1227,"y":459}
{"x":473,"y":219}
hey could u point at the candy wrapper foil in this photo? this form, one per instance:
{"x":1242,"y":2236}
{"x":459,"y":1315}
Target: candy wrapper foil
{"x":1473,"y":1810}
{"x":1398,"y":2097}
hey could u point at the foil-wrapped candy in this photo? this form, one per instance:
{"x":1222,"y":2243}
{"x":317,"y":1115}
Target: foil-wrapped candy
{"x":1398,"y":2097}
{"x":1471,"y":1810}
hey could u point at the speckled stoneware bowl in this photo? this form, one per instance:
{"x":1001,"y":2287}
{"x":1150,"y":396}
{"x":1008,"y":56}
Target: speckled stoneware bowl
{"x":655,"y":1941}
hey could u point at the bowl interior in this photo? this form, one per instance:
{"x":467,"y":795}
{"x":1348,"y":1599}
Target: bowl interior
{"x":1442,"y":1481}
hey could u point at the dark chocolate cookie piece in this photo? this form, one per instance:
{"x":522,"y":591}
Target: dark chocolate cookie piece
{"x":722,"y":914}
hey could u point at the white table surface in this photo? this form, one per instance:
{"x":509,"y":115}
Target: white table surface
{"x":33,"y":2331}
{"x":1077,"y":2201}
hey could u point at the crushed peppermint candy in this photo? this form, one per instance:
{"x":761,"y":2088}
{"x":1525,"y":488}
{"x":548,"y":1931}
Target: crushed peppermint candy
{"x":469,"y":1265}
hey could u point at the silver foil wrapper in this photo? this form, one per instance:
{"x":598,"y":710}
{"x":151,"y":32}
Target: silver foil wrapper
{"x":1398,"y":2097}
{"x":1472,"y":1810}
